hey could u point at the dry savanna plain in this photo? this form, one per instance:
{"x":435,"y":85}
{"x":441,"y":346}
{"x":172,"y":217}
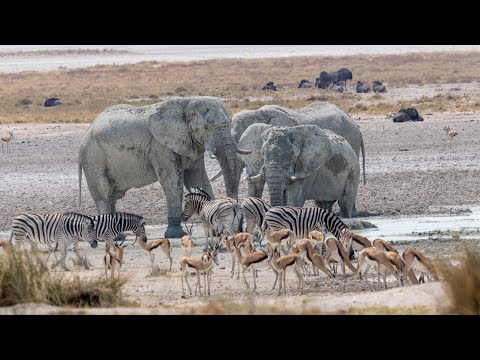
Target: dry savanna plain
{"x":412,"y":169}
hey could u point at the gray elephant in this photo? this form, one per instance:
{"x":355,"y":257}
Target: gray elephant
{"x":129,"y":146}
{"x":304,"y":162}
{"x":323,"y":114}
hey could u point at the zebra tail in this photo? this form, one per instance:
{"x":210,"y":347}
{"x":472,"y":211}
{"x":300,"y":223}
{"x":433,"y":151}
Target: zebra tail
{"x":79,"y":183}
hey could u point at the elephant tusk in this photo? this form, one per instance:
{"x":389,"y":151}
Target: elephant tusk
{"x":256,"y":177}
{"x":210,"y":154}
{"x":244,"y":152}
{"x":216,"y":176}
{"x":247,"y":177}
{"x":293,"y":178}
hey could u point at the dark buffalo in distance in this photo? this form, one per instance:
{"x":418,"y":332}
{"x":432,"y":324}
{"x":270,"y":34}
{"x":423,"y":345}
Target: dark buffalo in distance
{"x":409,"y":114}
{"x":378,"y":86}
{"x":361,"y":88}
{"x":52,"y":102}
{"x":304,"y":84}
{"x":343,"y":75}
{"x":269,"y":86}
{"x":337,"y":86}
{"x":326,"y":79}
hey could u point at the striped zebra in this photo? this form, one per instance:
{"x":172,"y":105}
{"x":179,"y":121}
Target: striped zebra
{"x":254,"y":210}
{"x":221,"y":215}
{"x":53,"y":228}
{"x":302,"y":220}
{"x":108,"y":226}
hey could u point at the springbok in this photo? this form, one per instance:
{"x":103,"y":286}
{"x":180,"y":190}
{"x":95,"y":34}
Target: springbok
{"x":415,"y":260}
{"x":275,"y":238}
{"x":187,"y":242}
{"x":280,"y":264}
{"x":337,"y":251}
{"x":372,"y":256}
{"x":114,"y":261}
{"x":450,"y":133}
{"x":189,"y":265}
{"x":256,"y":260}
{"x":383,"y":245}
{"x":357,"y":242}
{"x":6,"y":140}
{"x":153,"y":246}
{"x":305,"y":246}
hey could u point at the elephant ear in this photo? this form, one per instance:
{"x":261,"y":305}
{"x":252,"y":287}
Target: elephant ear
{"x":170,"y":127}
{"x":314,"y":147}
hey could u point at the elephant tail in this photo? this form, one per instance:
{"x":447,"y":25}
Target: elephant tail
{"x":79,"y":183}
{"x":363,"y":159}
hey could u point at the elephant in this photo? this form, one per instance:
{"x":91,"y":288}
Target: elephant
{"x":128,"y":146}
{"x":305,"y":163}
{"x":323,"y":114}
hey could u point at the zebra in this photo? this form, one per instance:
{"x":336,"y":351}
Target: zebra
{"x":221,"y":215}
{"x":53,"y":228}
{"x":302,"y":220}
{"x":109,"y":226}
{"x":254,"y":210}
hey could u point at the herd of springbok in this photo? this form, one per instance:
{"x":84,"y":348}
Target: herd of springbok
{"x":305,"y":256}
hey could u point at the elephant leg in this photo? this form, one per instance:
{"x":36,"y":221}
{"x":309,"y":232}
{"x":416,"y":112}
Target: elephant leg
{"x":197,"y":177}
{"x":345,"y":209}
{"x":171,"y":179}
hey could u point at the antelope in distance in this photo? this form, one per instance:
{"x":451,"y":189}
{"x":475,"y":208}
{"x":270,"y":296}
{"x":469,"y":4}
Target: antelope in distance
{"x":450,"y":133}
{"x":7,"y":140}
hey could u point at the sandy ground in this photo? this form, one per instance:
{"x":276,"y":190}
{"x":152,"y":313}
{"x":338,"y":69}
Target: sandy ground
{"x":411,"y":169}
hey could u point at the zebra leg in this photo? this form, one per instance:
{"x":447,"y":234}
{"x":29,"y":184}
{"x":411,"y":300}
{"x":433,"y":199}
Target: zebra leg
{"x":63,"y":251}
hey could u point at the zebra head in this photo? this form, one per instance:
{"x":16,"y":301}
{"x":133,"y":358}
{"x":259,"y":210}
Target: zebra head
{"x":89,"y":233}
{"x":140,"y":232}
{"x":194,"y":203}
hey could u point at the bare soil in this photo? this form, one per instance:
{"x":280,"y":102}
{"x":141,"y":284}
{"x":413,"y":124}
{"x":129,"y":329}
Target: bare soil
{"x":412,"y":168}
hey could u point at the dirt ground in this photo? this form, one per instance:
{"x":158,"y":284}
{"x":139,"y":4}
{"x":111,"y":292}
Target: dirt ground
{"x":412,"y":168}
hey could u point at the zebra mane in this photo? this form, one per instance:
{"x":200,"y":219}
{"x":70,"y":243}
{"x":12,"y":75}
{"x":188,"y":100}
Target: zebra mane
{"x":78,"y":216}
{"x":123,"y":214}
{"x":199,"y":191}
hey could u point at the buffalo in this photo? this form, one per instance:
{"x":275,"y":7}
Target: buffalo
{"x":361,"y":88}
{"x":378,"y":86}
{"x":410,"y":114}
{"x":304,"y":84}
{"x":269,"y":86}
{"x":52,"y":102}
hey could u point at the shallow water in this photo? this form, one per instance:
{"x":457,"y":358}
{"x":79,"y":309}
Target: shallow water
{"x":421,"y":227}
{"x":15,"y":63}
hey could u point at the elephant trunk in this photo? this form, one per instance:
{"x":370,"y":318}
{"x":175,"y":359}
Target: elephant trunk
{"x":226,"y":154}
{"x":276,"y":185}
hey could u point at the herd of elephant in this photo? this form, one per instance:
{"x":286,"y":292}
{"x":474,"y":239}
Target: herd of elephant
{"x":311,"y":153}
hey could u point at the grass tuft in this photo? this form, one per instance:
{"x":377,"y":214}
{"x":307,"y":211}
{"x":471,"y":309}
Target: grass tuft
{"x":25,"y":278}
{"x":463,"y":282}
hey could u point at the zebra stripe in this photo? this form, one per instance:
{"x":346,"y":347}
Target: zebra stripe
{"x":108,"y":226}
{"x":254,"y":210}
{"x":220,"y":214}
{"x":52,"y":228}
{"x":303,"y":220}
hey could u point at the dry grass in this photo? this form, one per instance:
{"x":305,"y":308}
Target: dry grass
{"x":463,"y":282}
{"x":87,"y":91}
{"x":24,"y":279}
{"x":222,"y":306}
